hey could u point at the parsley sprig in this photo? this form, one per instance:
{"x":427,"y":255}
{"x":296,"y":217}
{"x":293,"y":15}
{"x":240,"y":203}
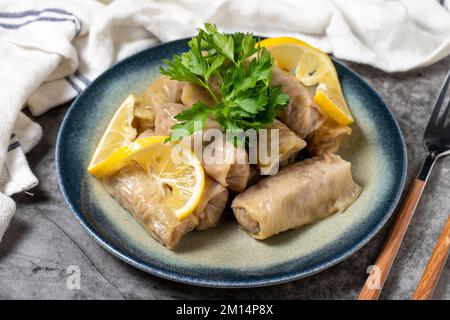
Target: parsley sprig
{"x":243,"y":69}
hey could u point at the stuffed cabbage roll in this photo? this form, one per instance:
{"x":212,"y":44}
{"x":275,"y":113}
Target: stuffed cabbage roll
{"x":288,"y":144}
{"x":299,"y":194}
{"x":327,"y":138}
{"x":301,"y":115}
{"x":144,"y":117}
{"x":165,"y":117}
{"x":254,"y":175}
{"x":231,"y":169}
{"x":211,"y":205}
{"x":145,"y":134}
{"x":142,"y":196}
{"x":162,"y":90}
{"x":193,"y":93}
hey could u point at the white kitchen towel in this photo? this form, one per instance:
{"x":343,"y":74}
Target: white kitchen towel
{"x":51,"y":50}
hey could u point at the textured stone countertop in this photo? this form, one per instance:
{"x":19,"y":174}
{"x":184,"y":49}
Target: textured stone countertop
{"x":44,"y":238}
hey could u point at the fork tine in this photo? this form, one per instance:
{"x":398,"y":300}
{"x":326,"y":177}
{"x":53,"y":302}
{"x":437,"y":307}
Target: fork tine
{"x":439,"y":100}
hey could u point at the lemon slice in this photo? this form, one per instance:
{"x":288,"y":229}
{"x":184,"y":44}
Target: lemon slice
{"x":119,"y":133}
{"x":324,"y":100}
{"x":173,"y":166}
{"x":312,"y":67}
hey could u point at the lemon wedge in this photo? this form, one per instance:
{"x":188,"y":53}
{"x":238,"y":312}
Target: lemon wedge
{"x":312,"y":67}
{"x":118,"y":134}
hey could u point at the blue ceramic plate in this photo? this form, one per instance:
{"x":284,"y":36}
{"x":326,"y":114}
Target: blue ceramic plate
{"x":226,"y":256}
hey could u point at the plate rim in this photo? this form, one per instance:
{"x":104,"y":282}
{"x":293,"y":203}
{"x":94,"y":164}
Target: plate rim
{"x":205,"y":282}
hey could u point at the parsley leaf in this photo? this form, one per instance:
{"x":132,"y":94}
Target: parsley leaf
{"x":190,"y":121}
{"x":246,"y":99}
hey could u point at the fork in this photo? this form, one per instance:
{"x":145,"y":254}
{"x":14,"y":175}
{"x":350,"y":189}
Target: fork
{"x":437,"y":143}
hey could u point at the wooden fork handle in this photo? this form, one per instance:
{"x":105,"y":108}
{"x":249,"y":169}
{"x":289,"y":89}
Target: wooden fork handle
{"x":380,"y":270}
{"x":430,"y":276}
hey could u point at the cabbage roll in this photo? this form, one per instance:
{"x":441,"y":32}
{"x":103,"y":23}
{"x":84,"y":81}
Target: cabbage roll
{"x":211,"y":204}
{"x":254,"y":175}
{"x":301,"y":115}
{"x":145,"y":134}
{"x":327,"y":138}
{"x":193,"y":93}
{"x":298,"y":195}
{"x":144,"y":117}
{"x":165,"y":117}
{"x":142,"y":196}
{"x":162,"y":90}
{"x":232,"y":170}
{"x":289,"y":144}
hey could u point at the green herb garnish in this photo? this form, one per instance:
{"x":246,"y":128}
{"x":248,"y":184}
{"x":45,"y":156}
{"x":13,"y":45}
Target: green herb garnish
{"x":243,"y":69}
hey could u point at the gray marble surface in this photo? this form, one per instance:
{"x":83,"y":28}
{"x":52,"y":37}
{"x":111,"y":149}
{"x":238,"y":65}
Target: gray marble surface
{"x":44,"y":239}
